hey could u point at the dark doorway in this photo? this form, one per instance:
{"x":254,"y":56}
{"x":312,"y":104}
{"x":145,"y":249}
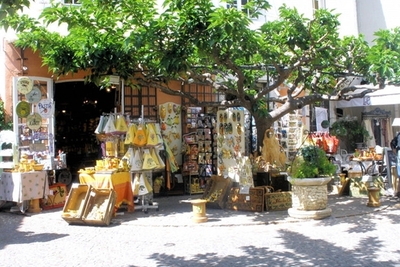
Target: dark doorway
{"x":78,"y":107}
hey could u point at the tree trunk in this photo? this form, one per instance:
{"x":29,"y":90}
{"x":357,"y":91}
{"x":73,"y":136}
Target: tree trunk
{"x":262,"y":124}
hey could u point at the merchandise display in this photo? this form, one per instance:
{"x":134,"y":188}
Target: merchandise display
{"x":230,"y":142}
{"x":200,"y":158}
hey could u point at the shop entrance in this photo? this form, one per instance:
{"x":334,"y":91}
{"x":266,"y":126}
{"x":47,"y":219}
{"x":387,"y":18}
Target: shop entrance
{"x":78,"y":107}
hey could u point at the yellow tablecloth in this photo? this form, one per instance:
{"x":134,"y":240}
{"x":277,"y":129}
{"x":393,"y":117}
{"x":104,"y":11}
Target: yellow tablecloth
{"x":120,"y":182}
{"x":21,"y":186}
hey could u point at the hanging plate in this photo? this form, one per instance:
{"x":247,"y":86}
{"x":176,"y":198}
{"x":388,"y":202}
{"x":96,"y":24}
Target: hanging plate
{"x":23,"y":109}
{"x":45,"y":108}
{"x":24,"y":85}
{"x":34,"y":95}
{"x":34,"y":121}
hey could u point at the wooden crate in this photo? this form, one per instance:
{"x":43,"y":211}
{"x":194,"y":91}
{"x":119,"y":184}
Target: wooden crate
{"x":99,"y":207}
{"x":216,"y":191}
{"x":75,"y":204}
{"x":56,"y":198}
{"x":254,"y":201}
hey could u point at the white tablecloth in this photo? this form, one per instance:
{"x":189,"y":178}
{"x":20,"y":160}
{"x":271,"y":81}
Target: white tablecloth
{"x":18,"y":187}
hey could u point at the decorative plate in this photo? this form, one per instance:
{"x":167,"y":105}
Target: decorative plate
{"x":34,"y":121}
{"x":23,"y":109}
{"x":34,"y":95}
{"x":45,"y":108}
{"x":24,"y":85}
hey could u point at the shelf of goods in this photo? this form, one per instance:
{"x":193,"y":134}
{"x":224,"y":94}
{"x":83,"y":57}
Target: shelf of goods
{"x":200,"y":158}
{"x":33,"y":122}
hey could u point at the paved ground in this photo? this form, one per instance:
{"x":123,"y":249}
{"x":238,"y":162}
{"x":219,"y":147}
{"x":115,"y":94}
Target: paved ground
{"x":355,"y":235}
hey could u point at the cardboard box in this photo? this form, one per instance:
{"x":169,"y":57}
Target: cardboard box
{"x":75,"y":204}
{"x":99,"y":207}
{"x":254,"y":201}
{"x":56,"y":198}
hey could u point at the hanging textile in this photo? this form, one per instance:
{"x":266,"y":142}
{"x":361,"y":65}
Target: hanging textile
{"x":321,"y":114}
{"x":370,"y":142}
{"x":171,"y":159}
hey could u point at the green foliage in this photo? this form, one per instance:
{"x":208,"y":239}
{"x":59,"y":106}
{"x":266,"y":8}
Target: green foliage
{"x":5,"y":120}
{"x":311,"y":162}
{"x":350,"y":131}
{"x":197,"y":41}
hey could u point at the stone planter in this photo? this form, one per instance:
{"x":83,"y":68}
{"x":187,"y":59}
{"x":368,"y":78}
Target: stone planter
{"x":309,"y":198}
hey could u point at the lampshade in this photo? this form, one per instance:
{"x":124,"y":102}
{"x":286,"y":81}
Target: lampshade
{"x":396,"y":122}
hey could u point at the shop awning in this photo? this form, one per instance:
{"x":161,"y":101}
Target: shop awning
{"x":390,"y":95}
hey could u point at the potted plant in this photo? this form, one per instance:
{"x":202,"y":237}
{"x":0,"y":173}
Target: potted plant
{"x":309,"y":175}
{"x":350,"y":132}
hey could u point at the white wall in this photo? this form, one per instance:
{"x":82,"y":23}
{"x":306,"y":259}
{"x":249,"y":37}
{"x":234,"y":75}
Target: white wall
{"x":377,"y":14}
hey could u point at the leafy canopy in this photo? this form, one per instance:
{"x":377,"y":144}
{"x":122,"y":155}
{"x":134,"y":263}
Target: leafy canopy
{"x":197,"y":41}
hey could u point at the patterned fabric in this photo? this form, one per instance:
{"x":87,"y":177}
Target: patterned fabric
{"x":120,"y":182}
{"x":18,"y":187}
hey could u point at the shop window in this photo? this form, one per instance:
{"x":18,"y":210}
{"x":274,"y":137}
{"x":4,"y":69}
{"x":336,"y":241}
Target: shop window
{"x":136,"y":99}
{"x":239,"y":5}
{"x":72,"y":2}
{"x":204,"y":94}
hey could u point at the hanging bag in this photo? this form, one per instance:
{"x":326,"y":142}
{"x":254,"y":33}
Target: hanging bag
{"x":156,"y":155}
{"x":110,"y":126}
{"x":135,"y":184}
{"x":144,"y":185}
{"x":152,"y":139}
{"x":148,"y":162}
{"x":100,"y":126}
{"x":130,"y":134}
{"x":120,"y":125}
{"x":136,"y":161}
{"x":140,"y":136}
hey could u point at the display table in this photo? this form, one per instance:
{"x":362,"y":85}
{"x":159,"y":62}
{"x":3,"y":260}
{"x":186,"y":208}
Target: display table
{"x":120,"y":182}
{"x":22,"y":186}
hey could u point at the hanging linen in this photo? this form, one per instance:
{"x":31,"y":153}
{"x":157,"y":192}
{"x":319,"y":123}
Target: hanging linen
{"x":321,"y":114}
{"x":370,"y":142}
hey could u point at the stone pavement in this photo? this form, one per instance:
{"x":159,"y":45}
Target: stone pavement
{"x":355,"y":235}
{"x":177,"y":211}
